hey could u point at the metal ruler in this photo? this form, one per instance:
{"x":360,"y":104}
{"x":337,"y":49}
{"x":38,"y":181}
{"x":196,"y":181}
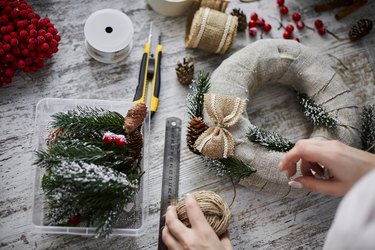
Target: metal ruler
{"x":171,"y":171}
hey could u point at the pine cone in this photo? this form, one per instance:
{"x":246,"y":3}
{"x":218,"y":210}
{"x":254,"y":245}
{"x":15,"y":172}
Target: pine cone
{"x":360,"y":29}
{"x":242,"y":21}
{"x":135,"y":143}
{"x":134,"y":118}
{"x":195,"y":129}
{"x":185,"y":71}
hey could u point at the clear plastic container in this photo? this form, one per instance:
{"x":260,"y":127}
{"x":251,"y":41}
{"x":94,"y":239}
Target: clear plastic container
{"x":133,"y":221}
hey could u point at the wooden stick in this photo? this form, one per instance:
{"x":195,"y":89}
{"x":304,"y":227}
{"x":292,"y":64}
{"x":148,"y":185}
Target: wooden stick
{"x":332,"y":5}
{"x":356,"y":5}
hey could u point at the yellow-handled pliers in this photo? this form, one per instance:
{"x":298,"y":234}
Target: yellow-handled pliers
{"x":150,"y":69}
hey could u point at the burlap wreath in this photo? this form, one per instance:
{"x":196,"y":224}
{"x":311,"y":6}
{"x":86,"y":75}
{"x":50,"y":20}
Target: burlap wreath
{"x":296,"y":66}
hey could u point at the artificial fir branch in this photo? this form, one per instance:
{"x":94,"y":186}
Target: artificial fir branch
{"x":89,"y":189}
{"x":268,"y":139}
{"x":199,"y":87}
{"x":229,"y":167}
{"x":89,"y":119}
{"x":368,"y":128}
{"x":112,"y":157}
{"x":316,"y":113}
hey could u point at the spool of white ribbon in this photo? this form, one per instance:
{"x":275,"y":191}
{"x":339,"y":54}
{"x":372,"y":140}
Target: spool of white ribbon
{"x":108,"y":35}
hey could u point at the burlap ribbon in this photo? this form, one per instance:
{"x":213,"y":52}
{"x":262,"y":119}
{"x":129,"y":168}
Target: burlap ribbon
{"x":224,"y":111}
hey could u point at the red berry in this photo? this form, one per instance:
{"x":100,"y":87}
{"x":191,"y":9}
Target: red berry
{"x":108,"y":138}
{"x":75,"y":219}
{"x":287,"y":35}
{"x":13,"y":34}
{"x":23,"y":34}
{"x":44,"y":21}
{"x":20,"y":25}
{"x":300,"y":24}
{"x":120,"y":140}
{"x":267,"y":27}
{"x":252,"y":23}
{"x":284,"y":10}
{"x":253,"y":31}
{"x":10,"y":28}
{"x":9,"y":72}
{"x":33,"y":33}
{"x":26,"y":69}
{"x":52,"y":30}
{"x":21,"y":64}
{"x":296,"y":39}
{"x":6,"y":47}
{"x":296,"y":16}
{"x":42,"y":32}
{"x":4,"y":30}
{"x":31,"y":27}
{"x":25,"y":52}
{"x":280,"y":2}
{"x":28,"y":61}
{"x":2,"y":52}
{"x":14,"y":42}
{"x":322,"y":31}
{"x":33,"y":41}
{"x":318,"y":23}
{"x":7,"y":38}
{"x":41,"y":39}
{"x":261,"y":22}
{"x":289,"y":28}
{"x":53,"y":43}
{"x":55,"y":49}
{"x":57,"y":38}
{"x":15,"y":14}
{"x":48,"y":37}
{"x":254,"y":16}
{"x":34,"y":21}
{"x":45,"y":47}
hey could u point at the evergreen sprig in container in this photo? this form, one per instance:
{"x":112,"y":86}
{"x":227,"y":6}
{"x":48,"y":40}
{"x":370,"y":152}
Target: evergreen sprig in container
{"x":132,"y":218}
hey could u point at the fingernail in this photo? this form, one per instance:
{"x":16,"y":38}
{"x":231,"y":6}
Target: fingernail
{"x":295,"y":184}
{"x":279,"y":166}
{"x":187,"y":195}
{"x":169,"y":207}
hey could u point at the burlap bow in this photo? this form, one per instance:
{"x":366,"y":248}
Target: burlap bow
{"x":224,"y":111}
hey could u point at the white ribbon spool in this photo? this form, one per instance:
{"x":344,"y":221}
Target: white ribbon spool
{"x":109,"y":35}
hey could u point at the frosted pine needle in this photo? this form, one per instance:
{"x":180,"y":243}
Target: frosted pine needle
{"x":195,"y":99}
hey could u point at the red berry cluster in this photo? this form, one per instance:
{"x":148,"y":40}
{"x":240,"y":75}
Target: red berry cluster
{"x":255,"y":22}
{"x":110,"y":138}
{"x":25,"y":39}
{"x":319,"y":25}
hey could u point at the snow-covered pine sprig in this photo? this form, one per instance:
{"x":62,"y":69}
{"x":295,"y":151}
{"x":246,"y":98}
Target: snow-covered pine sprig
{"x":368,"y":128}
{"x":195,"y":99}
{"x":268,"y":139}
{"x":229,"y":167}
{"x":92,"y":190}
{"x":316,"y":113}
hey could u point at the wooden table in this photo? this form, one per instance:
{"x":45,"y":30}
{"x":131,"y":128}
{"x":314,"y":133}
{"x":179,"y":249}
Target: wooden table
{"x":259,"y":220}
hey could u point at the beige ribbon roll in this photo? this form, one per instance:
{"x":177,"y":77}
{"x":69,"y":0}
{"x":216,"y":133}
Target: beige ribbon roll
{"x":224,"y":111}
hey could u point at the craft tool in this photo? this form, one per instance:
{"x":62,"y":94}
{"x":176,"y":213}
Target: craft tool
{"x":108,"y":35}
{"x":150,"y":69}
{"x":171,"y":171}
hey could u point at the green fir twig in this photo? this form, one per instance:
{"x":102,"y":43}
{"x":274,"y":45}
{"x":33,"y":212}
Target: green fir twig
{"x":229,"y":167}
{"x":268,"y":139}
{"x":368,"y":128}
{"x":315,"y":113}
{"x":195,"y":100}
{"x":89,"y":119}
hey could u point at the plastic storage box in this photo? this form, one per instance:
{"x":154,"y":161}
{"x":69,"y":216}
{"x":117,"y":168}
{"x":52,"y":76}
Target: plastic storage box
{"x":133,"y":221}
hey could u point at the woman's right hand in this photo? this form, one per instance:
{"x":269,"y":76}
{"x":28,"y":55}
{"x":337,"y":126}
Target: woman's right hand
{"x":346,"y":166}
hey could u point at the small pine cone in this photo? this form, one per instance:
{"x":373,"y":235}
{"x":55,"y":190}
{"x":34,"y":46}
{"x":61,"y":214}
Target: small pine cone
{"x":185,"y":71}
{"x":53,"y":135}
{"x":360,"y":29}
{"x":196,"y":127}
{"x":242,"y":20}
{"x":134,"y":118}
{"x":135,"y":143}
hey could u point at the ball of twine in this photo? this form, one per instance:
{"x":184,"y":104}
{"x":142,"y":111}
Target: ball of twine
{"x":214,"y":208}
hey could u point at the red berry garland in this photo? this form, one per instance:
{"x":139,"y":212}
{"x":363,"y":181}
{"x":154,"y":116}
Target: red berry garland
{"x":25,"y":39}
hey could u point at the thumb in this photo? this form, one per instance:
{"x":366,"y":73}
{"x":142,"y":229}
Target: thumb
{"x":330,"y":187}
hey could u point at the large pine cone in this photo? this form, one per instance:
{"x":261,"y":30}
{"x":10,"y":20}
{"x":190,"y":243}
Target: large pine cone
{"x":242,"y":21}
{"x":360,"y":29}
{"x":134,"y":118}
{"x":196,"y":127}
{"x":185,"y":72}
{"x":135,"y":143}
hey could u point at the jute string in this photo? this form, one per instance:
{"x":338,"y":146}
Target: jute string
{"x":214,"y":208}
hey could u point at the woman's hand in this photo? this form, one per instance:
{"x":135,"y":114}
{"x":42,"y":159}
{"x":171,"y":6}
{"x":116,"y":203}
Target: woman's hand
{"x":200,"y":236}
{"x":346,"y":166}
